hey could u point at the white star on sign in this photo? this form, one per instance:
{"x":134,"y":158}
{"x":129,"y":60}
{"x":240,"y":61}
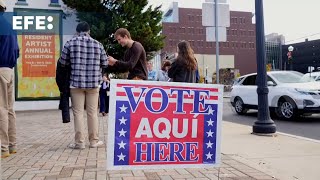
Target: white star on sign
{"x":209,"y":144}
{"x":121,"y":157}
{"x":209,"y":155}
{"x":210,"y":133}
{"x":211,"y":111}
{"x":121,"y":145}
{"x":123,"y":120}
{"x":123,"y":108}
{"x":122,"y":133}
{"x":210,"y":122}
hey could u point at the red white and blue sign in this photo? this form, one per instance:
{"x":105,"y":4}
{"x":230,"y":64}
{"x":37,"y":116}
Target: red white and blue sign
{"x":163,"y":125}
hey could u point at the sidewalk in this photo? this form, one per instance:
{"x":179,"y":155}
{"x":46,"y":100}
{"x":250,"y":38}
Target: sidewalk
{"x":43,"y":154}
{"x":283,"y":156}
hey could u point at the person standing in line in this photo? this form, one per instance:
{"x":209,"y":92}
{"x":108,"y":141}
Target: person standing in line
{"x":152,"y":74}
{"x":184,"y":67}
{"x":104,"y":95}
{"x":163,"y":73}
{"x":9,"y":53}
{"x":134,"y":59}
{"x":87,"y":57}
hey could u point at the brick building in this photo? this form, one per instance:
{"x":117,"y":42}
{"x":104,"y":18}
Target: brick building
{"x":239,"y":51}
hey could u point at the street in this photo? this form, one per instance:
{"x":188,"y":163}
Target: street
{"x":307,"y":127}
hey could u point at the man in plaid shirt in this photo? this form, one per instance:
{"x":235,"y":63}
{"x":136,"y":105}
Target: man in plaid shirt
{"x":86,"y":57}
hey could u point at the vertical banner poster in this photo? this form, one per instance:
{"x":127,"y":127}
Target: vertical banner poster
{"x":39,"y":52}
{"x":163,"y":125}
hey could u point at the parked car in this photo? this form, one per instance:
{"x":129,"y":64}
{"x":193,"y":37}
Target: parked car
{"x":290,"y":94}
{"x":314,"y":75}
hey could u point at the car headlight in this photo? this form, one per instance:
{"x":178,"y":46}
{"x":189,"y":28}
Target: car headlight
{"x":305,"y":91}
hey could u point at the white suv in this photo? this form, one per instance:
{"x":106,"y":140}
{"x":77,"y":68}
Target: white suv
{"x":290,"y":94}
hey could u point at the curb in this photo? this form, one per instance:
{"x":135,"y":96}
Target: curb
{"x":299,"y":137}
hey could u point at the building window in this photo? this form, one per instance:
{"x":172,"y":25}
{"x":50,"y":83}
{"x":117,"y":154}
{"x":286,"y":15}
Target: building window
{"x":199,"y":18}
{"x":191,"y":18}
{"x":54,"y":3}
{"x":182,"y":30}
{"x":234,"y":20}
{"x":21,"y":2}
{"x":234,"y":32}
{"x":201,"y":31}
{"x":192,"y":43}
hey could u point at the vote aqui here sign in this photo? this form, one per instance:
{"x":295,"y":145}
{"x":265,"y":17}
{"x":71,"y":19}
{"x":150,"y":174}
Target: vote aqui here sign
{"x":163,"y":125}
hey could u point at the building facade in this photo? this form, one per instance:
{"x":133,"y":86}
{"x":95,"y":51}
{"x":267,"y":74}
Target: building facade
{"x":239,"y":51}
{"x":35,"y":85}
{"x":304,"y":54}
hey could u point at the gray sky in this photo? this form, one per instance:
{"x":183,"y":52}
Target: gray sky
{"x":294,"y":19}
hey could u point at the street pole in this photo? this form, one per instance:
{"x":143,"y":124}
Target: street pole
{"x":264,"y":124}
{"x":217,"y":40}
{"x":206,"y":80}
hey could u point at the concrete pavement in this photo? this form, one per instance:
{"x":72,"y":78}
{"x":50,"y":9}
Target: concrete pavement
{"x":283,"y":156}
{"x":43,"y":154}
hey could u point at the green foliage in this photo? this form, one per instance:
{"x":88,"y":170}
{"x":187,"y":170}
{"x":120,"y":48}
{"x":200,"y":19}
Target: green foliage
{"x":142,"y":21}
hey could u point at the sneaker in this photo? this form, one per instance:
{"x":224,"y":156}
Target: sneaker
{"x":76,"y":146}
{"x":12,"y":150}
{"x":5,"y":154}
{"x":98,"y":144}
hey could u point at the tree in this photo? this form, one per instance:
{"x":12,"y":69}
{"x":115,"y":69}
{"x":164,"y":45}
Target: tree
{"x":105,"y":17}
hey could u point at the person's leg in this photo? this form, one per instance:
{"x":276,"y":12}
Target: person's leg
{"x":78,"y":99}
{"x":102,"y":95}
{"x":4,"y":124}
{"x":92,"y":115}
{"x":107,"y":104}
{"x":12,"y":118}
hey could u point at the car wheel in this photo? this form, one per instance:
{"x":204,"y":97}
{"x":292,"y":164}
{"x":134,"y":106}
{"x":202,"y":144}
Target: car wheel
{"x":239,"y":106}
{"x":287,"y":110}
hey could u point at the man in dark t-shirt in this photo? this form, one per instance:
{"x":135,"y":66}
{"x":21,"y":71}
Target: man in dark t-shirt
{"x":134,"y":59}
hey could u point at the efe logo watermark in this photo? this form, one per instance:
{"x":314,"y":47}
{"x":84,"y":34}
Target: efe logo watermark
{"x":24,"y":22}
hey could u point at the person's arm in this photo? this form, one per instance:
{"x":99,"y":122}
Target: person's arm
{"x":103,"y":57}
{"x":124,"y":66}
{"x":65,"y":55}
{"x":17,"y":50}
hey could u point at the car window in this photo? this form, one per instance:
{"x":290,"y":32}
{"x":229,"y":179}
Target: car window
{"x":290,"y":77}
{"x":250,"y":80}
{"x":237,"y":81}
{"x":268,"y":79}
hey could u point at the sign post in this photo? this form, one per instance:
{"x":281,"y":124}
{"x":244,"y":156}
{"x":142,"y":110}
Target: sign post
{"x":216,"y":18}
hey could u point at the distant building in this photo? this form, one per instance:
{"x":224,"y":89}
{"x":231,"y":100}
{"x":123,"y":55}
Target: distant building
{"x":304,"y":54}
{"x":238,"y":52}
{"x":273,"y":45}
